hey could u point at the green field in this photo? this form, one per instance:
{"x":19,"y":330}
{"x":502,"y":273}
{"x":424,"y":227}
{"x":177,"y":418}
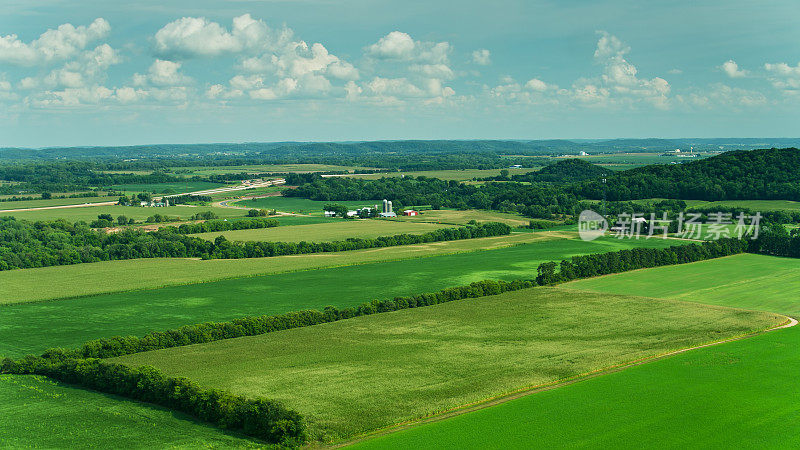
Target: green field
{"x":90,"y":213}
{"x":38,"y":412}
{"x":622,"y":161}
{"x":55,"y":202}
{"x":32,"y":327}
{"x":741,"y":394}
{"x":326,"y":231}
{"x":261,"y":168}
{"x":461,"y":217}
{"x":755,"y":205}
{"x":168,"y":188}
{"x":80,"y":279}
{"x":361,"y":374}
{"x":457,"y":175}
{"x":298,"y":205}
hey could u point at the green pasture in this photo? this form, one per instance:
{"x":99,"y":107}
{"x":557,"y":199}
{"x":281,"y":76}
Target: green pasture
{"x":457,"y":175}
{"x":755,"y":205}
{"x":150,"y":273}
{"x":261,"y":168}
{"x":740,"y":394}
{"x":461,"y":217}
{"x":338,"y":230}
{"x":32,"y":327}
{"x":89,"y":213}
{"x":365,"y":373}
{"x":631,"y":160}
{"x":299,"y":205}
{"x":55,"y":202}
{"x":36,"y":412}
{"x":168,"y":188}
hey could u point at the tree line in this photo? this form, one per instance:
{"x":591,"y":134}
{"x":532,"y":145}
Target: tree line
{"x":736,"y":175}
{"x":548,"y":273}
{"x":25,"y":244}
{"x":224,"y":225}
{"x":258,"y":417}
{"x":757,"y":174}
{"x":270,"y":420}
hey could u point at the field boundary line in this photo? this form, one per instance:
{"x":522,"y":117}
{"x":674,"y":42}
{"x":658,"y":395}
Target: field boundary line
{"x":525,"y":391}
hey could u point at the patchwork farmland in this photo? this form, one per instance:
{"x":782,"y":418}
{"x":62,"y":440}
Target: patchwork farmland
{"x":297,"y":314}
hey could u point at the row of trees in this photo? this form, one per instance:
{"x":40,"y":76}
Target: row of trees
{"x":547,"y":273}
{"x":25,"y":244}
{"x":224,"y":225}
{"x":270,"y":420}
{"x":586,"y":266}
{"x":257,"y":417}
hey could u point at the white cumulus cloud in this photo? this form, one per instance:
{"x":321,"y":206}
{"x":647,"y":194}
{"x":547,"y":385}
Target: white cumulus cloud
{"x":732,"y":69}
{"x":53,"y":45}
{"x":482,"y":57}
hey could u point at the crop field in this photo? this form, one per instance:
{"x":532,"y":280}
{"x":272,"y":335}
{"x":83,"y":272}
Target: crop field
{"x":298,"y":205}
{"x":739,"y":394}
{"x":461,"y":217}
{"x":89,"y":213}
{"x":55,"y":202}
{"x":326,"y":231}
{"x":755,"y":205}
{"x":457,"y":175}
{"x":71,"y":281}
{"x":262,"y":168}
{"x":168,"y":188}
{"x":34,"y":326}
{"x":35,"y":409}
{"x":361,"y":374}
{"x":630,"y":160}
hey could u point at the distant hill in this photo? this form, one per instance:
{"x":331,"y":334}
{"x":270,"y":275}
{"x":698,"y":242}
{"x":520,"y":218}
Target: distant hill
{"x":287,"y":150}
{"x":565,"y":171}
{"x":735,"y":175}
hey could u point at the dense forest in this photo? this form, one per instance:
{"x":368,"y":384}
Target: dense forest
{"x":772,"y":174}
{"x":753,"y":175}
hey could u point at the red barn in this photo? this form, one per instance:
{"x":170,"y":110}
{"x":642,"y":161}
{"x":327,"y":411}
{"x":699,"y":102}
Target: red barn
{"x":410,"y":212}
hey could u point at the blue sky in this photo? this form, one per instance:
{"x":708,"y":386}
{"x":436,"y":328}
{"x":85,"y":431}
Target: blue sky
{"x":100,"y":73}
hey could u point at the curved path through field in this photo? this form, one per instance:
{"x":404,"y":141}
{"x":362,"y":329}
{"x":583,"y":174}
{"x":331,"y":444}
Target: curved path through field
{"x":790,"y":322}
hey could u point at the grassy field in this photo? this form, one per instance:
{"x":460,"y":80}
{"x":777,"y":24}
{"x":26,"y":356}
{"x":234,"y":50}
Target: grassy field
{"x":746,"y":281}
{"x":361,"y":374}
{"x":326,"y":231}
{"x":38,"y":412}
{"x":33,"y":327}
{"x":457,"y":175}
{"x":298,"y":205}
{"x":77,"y":280}
{"x":623,"y":161}
{"x":262,"y":168}
{"x":168,"y":188}
{"x":755,"y":205}
{"x":740,"y":394}
{"x":55,"y":202}
{"x":90,"y":213}
{"x":461,"y":217}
